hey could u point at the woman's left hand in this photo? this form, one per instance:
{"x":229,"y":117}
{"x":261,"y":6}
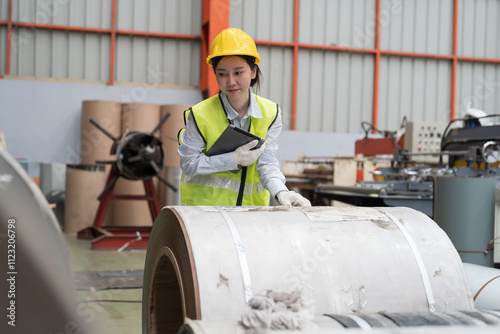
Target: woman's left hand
{"x":291,"y":198}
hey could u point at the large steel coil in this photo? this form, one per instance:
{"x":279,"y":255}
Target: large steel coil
{"x":456,"y":322}
{"x":485,"y":286}
{"x":204,"y":263}
{"x":37,"y":286}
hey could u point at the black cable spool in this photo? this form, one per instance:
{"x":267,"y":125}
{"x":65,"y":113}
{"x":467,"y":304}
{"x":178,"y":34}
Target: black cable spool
{"x":139,"y":156}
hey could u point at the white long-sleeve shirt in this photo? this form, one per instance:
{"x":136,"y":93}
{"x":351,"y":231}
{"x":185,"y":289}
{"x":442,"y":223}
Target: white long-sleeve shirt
{"x":195,"y":162}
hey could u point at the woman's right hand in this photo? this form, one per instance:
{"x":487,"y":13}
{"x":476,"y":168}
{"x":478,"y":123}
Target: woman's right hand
{"x":245,"y":156}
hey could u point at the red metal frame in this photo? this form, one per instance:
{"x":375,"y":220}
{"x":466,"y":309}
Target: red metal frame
{"x":120,"y":237}
{"x":215,"y":17}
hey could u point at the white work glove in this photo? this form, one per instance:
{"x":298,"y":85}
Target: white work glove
{"x":291,"y":198}
{"x":245,"y":156}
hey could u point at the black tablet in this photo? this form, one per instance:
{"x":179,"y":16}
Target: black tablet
{"x":232,"y":138}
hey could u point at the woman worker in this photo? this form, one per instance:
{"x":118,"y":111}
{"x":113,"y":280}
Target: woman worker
{"x":246,"y":176}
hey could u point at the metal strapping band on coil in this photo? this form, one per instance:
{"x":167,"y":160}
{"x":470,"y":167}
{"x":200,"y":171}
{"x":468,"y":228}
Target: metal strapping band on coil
{"x":418,"y":258}
{"x":484,"y":286}
{"x":362,"y":323}
{"x":245,"y":271}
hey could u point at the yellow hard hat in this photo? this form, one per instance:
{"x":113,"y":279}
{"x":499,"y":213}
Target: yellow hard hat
{"x":233,"y":42}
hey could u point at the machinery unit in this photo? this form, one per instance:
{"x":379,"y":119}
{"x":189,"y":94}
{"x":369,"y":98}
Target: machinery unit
{"x":391,"y":142}
{"x":424,"y":137}
{"x":465,"y":148}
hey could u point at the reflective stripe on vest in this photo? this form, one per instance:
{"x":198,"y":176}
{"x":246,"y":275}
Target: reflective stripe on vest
{"x":215,"y":181}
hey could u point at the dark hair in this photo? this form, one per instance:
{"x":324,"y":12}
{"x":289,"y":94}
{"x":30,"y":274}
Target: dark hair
{"x":251,"y":62}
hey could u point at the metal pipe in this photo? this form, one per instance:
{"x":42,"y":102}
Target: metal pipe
{"x":377,"y":66}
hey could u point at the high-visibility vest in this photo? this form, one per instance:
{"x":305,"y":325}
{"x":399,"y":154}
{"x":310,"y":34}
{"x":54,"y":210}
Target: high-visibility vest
{"x":229,"y":188}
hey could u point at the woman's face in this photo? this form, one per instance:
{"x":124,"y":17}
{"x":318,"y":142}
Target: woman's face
{"x":234,"y":76}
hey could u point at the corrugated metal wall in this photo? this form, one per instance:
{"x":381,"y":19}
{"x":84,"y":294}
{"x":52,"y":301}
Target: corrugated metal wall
{"x":4,"y":10}
{"x":277,"y":78}
{"x":3,"y":42}
{"x":335,"y":89}
{"x":479,"y":85}
{"x":61,"y":54}
{"x":57,"y":54}
{"x":84,"y":13}
{"x":420,"y":26}
{"x":420,"y":88}
{"x":173,"y":16}
{"x":415,"y":88}
{"x":263,"y":19}
{"x":479,"y":28}
{"x":85,"y":55}
{"x":337,"y":22}
{"x":274,"y":23}
{"x":158,"y":60}
{"x":320,"y":91}
{"x":155,"y":60}
{"x":479,"y":36}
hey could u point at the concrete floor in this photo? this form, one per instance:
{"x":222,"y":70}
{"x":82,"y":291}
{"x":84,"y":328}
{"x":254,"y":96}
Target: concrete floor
{"x":107,"y":311}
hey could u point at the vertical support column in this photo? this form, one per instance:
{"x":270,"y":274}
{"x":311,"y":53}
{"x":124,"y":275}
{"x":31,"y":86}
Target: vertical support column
{"x":215,"y":18}
{"x":295,"y":62}
{"x":113,"y":45}
{"x":454,"y":61}
{"x":377,"y":65}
